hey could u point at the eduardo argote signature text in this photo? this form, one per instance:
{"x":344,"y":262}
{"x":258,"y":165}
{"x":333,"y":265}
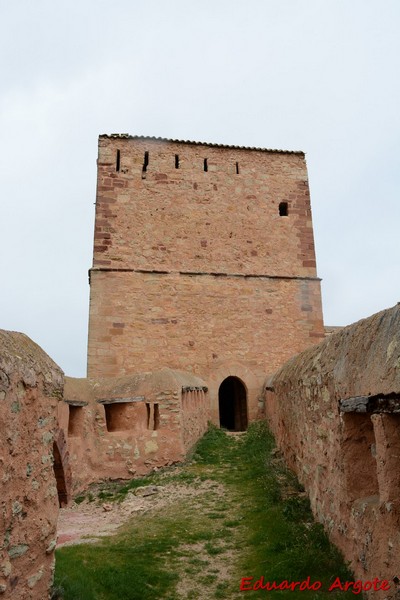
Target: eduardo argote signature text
{"x":357,"y":587}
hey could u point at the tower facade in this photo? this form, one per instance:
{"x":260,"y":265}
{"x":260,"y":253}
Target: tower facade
{"x":203,"y":261}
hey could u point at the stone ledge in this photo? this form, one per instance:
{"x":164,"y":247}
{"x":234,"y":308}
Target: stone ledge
{"x":371,"y":404}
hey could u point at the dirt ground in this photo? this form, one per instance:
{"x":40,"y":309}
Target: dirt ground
{"x":203,"y":569}
{"x":87,"y":521}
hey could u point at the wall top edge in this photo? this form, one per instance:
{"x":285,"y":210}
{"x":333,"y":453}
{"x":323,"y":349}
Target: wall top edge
{"x":127,"y":136}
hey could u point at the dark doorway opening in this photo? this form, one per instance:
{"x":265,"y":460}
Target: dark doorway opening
{"x":60,"y":479}
{"x":232,"y":398}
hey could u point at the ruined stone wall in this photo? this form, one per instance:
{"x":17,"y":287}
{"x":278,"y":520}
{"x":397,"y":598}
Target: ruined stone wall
{"x":193,"y":247}
{"x":348,"y":460}
{"x":195,"y":415}
{"x":30,"y":388}
{"x":127,"y":426}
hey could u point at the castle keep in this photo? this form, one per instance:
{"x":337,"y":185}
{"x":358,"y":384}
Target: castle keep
{"x":204,"y":262}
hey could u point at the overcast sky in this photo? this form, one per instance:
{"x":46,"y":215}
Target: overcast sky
{"x":321,"y":76}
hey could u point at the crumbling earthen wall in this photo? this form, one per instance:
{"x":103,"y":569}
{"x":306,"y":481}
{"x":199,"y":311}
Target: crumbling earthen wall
{"x":335,"y":412}
{"x":121,"y":427}
{"x":203,"y":261}
{"x":195,"y":414}
{"x":31,"y":386}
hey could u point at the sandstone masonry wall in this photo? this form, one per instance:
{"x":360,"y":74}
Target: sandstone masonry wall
{"x":189,"y":219}
{"x":121,"y":427}
{"x":348,"y":460}
{"x":31,"y":385}
{"x":194,"y":245}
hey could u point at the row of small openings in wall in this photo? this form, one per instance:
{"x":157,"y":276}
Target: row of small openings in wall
{"x":145,"y":162}
{"x":177,"y":163}
{"x":205,"y":166}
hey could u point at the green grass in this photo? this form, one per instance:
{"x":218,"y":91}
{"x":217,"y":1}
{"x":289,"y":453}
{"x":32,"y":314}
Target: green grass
{"x":260,"y":525}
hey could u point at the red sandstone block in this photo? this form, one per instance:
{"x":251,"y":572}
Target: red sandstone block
{"x":106,"y":200}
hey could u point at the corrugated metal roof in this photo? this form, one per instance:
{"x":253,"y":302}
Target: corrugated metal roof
{"x":209,"y":144}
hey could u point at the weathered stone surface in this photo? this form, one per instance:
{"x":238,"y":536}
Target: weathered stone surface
{"x":117,"y":427}
{"x":347,"y":461}
{"x":196,"y":270}
{"x":31,"y":385}
{"x":357,"y":404}
{"x":372,"y":404}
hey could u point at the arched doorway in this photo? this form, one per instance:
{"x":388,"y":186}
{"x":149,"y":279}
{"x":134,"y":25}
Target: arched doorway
{"x":232,"y":397}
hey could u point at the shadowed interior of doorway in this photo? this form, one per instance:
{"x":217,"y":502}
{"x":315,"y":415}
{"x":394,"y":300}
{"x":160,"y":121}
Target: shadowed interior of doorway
{"x":232,"y":399}
{"x":60,"y":478}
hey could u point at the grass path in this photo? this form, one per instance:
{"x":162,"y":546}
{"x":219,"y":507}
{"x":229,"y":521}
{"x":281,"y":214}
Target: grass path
{"x":245,"y":516}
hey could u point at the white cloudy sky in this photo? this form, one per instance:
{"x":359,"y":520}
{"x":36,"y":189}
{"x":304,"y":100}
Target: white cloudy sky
{"x":315,"y":75}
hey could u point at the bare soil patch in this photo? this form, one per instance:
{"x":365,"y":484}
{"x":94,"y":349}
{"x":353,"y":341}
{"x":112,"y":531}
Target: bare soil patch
{"x":86,"y":522}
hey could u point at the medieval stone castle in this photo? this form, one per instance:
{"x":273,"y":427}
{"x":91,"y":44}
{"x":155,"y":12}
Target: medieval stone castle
{"x":204,"y":305}
{"x":203,"y":261}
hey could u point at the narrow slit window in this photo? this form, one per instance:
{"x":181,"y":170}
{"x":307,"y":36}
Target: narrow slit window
{"x":156,"y":417}
{"x":205,"y":165}
{"x":283,"y":209}
{"x":237,"y":168}
{"x":153,"y":416}
{"x":118,"y":161}
{"x":145,"y":162}
{"x":176,"y":161}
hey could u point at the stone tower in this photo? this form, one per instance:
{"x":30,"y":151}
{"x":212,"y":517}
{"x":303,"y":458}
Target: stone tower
{"x":203,"y":261}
